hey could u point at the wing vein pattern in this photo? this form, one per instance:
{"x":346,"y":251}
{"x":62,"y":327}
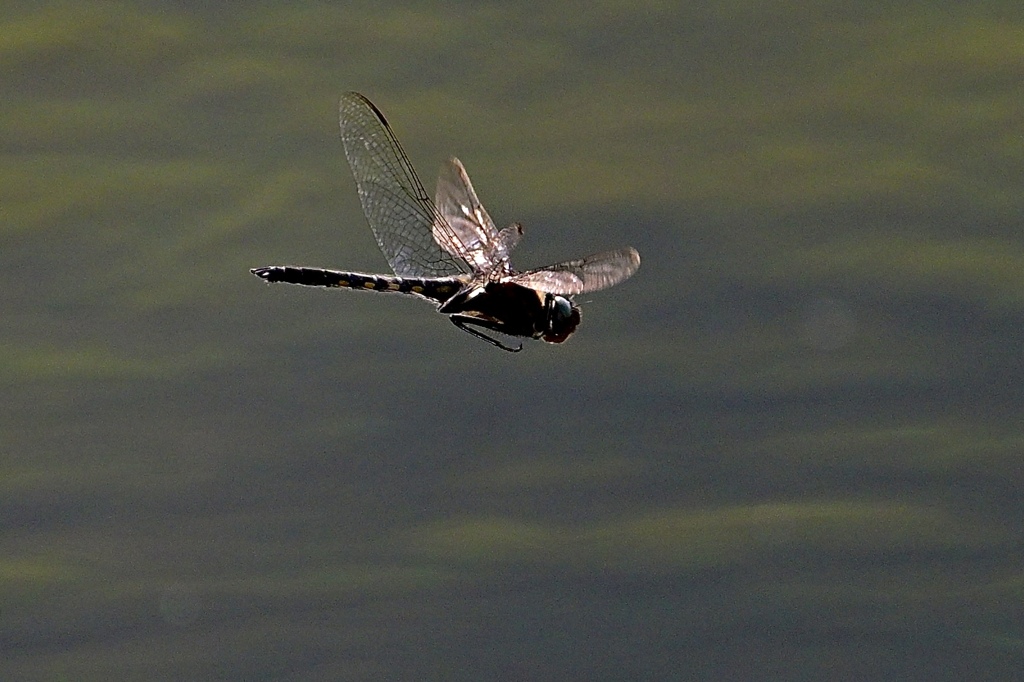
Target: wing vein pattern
{"x":398,"y":208}
{"x":592,"y":273}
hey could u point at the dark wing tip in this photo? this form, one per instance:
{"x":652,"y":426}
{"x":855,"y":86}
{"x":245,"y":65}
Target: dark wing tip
{"x":607,"y":269}
{"x":633,"y":255}
{"x":353,"y":95}
{"x":629,"y":258}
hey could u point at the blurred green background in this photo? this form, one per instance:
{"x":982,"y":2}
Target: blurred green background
{"x":788,"y":449}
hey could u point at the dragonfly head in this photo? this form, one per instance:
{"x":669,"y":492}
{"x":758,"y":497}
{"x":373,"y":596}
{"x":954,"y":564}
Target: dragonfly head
{"x":562,"y":318}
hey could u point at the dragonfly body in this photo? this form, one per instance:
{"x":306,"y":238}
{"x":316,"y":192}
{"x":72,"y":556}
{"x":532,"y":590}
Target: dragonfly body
{"x":504,"y":307}
{"x":450,"y":252}
{"x":513,"y":310}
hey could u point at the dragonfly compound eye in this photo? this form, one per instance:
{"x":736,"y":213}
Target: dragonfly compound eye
{"x":563,"y":318}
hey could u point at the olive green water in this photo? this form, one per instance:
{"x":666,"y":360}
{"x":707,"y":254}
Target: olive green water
{"x":789,"y":448}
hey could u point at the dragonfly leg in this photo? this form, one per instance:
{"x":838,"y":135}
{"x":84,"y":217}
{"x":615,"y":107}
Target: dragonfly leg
{"x":463,"y":322}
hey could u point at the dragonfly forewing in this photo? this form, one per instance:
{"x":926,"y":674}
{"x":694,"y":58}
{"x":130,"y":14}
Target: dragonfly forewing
{"x":400,"y":212}
{"x":477,"y":240}
{"x":595,"y":272}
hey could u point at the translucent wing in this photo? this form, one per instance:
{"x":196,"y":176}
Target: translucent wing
{"x":598,"y":271}
{"x":476,"y":239}
{"x":408,"y":228}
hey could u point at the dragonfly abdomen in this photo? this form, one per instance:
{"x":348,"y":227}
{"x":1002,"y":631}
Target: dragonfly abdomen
{"x":436,"y":289}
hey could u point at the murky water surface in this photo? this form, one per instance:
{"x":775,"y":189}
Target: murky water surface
{"x":789,"y":448}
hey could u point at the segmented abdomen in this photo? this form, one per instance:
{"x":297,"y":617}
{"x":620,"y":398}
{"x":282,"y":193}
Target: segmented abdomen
{"x":439,"y":290}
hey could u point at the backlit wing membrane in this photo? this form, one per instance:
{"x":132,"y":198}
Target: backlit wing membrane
{"x":414,"y":237}
{"x":477,"y":240}
{"x":592,"y":273}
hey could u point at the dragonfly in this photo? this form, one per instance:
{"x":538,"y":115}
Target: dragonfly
{"x":449,"y":251}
